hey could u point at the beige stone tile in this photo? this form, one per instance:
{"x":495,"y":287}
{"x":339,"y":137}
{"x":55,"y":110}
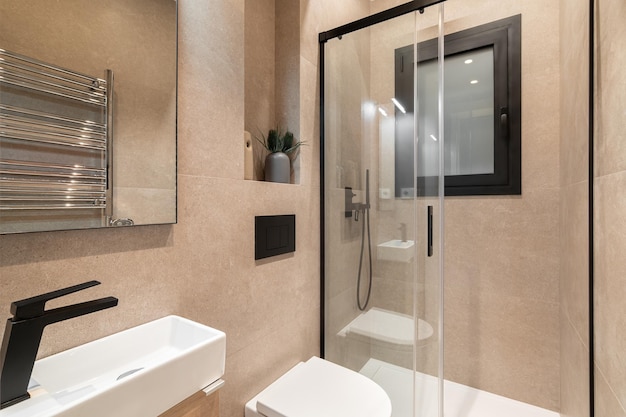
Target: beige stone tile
{"x":229,"y":237}
{"x":239,"y":4}
{"x":311,"y":14}
{"x":606,"y":402}
{"x":340,"y":309}
{"x":611,"y":101}
{"x":540,"y":96}
{"x":574,"y":238}
{"x":507,"y":345}
{"x":213,"y":138}
{"x":574,"y":257}
{"x":380,"y":5}
{"x":309,"y":123}
{"x":211,"y":87}
{"x":609,"y":222}
{"x":391,"y":293}
{"x":574,"y":367}
{"x":145,"y":205}
{"x":318,"y":16}
{"x":49,"y":261}
{"x":540,"y":127}
{"x":260,"y":68}
{"x":503,"y":250}
{"x":505,"y":245}
{"x":475,"y":10}
{"x":574,"y":93}
{"x":610,"y":281}
{"x":252,"y":369}
{"x":288,"y":89}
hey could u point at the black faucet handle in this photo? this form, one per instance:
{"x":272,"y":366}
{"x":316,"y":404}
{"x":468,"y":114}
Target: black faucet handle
{"x":35,"y":306}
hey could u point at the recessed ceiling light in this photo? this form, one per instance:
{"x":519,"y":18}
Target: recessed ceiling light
{"x":469,"y":61}
{"x":474,"y":82}
{"x":398,"y":105}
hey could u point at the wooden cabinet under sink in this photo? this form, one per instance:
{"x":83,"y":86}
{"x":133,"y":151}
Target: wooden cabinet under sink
{"x":198,"y":405}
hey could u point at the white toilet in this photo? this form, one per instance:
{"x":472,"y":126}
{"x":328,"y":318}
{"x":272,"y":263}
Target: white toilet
{"x":318,"y":388}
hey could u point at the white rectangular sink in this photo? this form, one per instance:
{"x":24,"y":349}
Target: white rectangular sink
{"x":139,"y":372}
{"x":396,"y":250}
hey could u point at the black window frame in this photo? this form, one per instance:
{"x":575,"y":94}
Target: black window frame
{"x":504,"y":36}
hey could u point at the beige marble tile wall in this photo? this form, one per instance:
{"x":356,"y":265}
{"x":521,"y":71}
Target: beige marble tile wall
{"x":260,"y":79}
{"x":574,"y":239}
{"x":502,"y":253}
{"x":610,"y":206}
{"x":203,"y":267}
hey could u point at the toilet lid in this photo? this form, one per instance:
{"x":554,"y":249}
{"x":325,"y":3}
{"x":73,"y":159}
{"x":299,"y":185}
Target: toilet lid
{"x":320,"y":388}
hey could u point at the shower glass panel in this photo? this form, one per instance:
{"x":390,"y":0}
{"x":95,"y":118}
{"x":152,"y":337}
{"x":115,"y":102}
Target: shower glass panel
{"x":382,"y":258}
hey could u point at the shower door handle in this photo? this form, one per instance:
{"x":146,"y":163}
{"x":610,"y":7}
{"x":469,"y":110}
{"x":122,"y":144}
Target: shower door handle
{"x":430,"y":230}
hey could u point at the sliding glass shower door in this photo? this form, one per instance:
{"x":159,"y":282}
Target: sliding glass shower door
{"x":382,"y":203}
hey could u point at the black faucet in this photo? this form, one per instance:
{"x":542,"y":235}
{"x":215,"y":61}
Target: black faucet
{"x":22,"y":336}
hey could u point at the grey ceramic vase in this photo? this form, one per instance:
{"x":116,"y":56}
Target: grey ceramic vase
{"x":277,"y":167}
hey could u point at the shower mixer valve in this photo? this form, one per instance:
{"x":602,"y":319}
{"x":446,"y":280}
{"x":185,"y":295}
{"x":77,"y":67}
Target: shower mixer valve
{"x":356,"y":207}
{"x":351,"y":206}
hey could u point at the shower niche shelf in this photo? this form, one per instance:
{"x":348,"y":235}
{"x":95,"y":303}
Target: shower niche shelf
{"x":271,"y":79}
{"x":396,"y":250}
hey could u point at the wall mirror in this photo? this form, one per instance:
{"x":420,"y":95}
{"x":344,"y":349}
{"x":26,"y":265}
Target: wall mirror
{"x":87,"y":114}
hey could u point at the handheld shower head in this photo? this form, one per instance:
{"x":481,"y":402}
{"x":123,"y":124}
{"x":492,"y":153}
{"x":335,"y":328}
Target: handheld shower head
{"x":367,"y":188}
{"x":366,"y":212}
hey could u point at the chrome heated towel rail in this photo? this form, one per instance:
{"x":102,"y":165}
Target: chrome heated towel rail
{"x":55,"y":137}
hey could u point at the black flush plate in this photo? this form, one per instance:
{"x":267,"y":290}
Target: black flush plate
{"x":274,"y":235}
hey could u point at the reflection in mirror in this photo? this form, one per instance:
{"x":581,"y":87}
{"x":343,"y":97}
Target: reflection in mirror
{"x":88,"y":114}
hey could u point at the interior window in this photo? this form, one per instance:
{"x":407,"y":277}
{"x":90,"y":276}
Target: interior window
{"x":482,"y":112}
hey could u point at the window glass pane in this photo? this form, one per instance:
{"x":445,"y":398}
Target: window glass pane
{"x":468,"y":112}
{"x":468,"y":109}
{"x":427,"y":122}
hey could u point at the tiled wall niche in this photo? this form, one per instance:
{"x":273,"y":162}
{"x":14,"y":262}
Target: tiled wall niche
{"x":272,"y":75}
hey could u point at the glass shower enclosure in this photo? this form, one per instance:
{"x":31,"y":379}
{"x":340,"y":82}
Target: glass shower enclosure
{"x":382,"y":202}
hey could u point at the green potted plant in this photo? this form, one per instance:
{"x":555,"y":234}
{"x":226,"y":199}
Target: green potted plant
{"x":278,"y":162}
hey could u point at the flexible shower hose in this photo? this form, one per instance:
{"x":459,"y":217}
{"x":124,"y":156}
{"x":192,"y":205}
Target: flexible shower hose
{"x":362,"y":307}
